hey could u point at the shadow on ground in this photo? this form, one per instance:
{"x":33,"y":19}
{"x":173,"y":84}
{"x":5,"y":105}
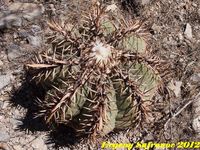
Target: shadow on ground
{"x":26,"y":97}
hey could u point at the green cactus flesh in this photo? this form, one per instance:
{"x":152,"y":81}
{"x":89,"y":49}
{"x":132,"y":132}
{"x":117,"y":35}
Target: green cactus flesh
{"x":134,"y":43}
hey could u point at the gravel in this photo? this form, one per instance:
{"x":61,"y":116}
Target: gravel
{"x":38,"y":144}
{"x":173,"y":23}
{"x":10,"y":21}
{"x":1,"y":63}
{"x":14,"y":51}
{"x":35,"y":41}
{"x":4,"y":136}
{"x":5,"y":80}
{"x":195,"y":77}
{"x":16,"y":12}
{"x":144,"y":2}
{"x":188,"y":31}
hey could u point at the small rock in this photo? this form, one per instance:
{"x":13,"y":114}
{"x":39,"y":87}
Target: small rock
{"x":195,"y":77}
{"x":144,"y":2}
{"x":111,"y":8}
{"x":32,"y":37}
{"x":180,"y":37}
{"x":170,"y":41}
{"x":14,"y":51}
{"x":38,"y":144}
{"x":196,"y":106}
{"x":5,"y":80}
{"x":149,"y":137}
{"x":17,"y":11}
{"x":35,"y":29}
{"x":1,"y":116}
{"x":188,"y":31}
{"x":35,"y":40}
{"x":4,"y":136}
{"x":175,"y":87}
{"x":198,"y":11}
{"x":156,"y":28}
{"x":30,"y":15}
{"x":196,"y":124}
{"x":17,"y":147}
{"x":194,"y":4}
{"x":10,"y":21}
{"x":1,"y":63}
{"x":23,"y":34}
{"x":52,"y":9}
{"x":196,"y":116}
{"x":27,"y":10}
{"x":1,"y":105}
{"x":172,"y":56}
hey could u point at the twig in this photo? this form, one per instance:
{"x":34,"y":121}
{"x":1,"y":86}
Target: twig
{"x":185,"y":106}
{"x":177,"y":113}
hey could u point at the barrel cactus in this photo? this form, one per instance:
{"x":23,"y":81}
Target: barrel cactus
{"x":100,"y":73}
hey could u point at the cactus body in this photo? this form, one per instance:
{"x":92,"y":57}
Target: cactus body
{"x":100,"y":74}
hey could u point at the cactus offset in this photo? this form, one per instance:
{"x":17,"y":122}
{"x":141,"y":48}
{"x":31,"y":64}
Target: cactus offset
{"x":100,"y":73}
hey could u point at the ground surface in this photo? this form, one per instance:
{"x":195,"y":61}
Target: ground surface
{"x":175,"y":29}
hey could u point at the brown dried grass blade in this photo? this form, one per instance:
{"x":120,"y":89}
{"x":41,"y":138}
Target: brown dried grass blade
{"x":39,"y":66}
